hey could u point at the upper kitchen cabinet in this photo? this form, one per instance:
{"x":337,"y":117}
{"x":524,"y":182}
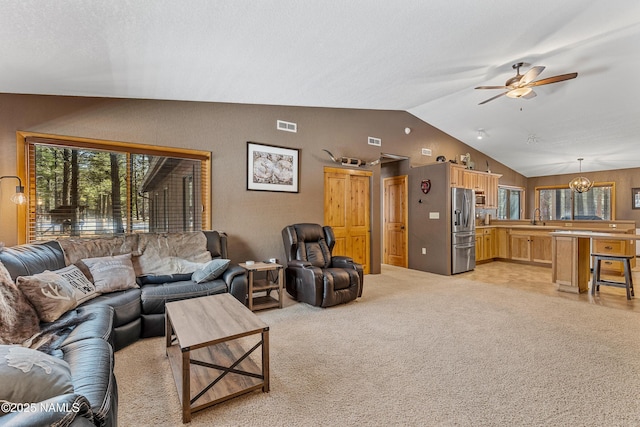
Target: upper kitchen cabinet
{"x":480,"y":182}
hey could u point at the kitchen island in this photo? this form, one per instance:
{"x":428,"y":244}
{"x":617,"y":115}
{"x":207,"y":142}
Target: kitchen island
{"x":571,"y":256}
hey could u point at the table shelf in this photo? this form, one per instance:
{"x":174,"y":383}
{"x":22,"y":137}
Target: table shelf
{"x":266,"y":285}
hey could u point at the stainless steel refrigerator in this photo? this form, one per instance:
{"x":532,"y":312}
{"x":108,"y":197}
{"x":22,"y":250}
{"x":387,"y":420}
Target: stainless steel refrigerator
{"x":463,"y":230}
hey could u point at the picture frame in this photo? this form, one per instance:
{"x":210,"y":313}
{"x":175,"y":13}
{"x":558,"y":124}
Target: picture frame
{"x":272,"y":168}
{"x":635,"y":198}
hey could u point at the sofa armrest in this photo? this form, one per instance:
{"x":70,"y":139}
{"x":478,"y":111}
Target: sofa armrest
{"x":347,"y":263}
{"x":296,"y":263}
{"x":63,"y":410}
{"x":235,"y":278}
{"x":342,"y":262}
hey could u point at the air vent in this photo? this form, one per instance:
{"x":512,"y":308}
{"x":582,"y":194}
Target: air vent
{"x":287,"y":126}
{"x":374,"y":141}
{"x":426,"y":151}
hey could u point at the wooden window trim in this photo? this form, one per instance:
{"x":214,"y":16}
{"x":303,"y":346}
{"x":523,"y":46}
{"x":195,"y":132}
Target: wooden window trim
{"x":26,"y":213}
{"x":611,"y":184}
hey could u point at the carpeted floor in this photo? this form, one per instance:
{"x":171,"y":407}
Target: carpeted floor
{"x":420,"y":350}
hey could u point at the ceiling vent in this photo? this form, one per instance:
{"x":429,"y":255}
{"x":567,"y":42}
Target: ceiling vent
{"x":374,"y":141}
{"x":287,"y":126}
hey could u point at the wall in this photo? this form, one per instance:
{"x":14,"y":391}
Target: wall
{"x":252,"y":219}
{"x":625,"y":180}
{"x":434,"y":235}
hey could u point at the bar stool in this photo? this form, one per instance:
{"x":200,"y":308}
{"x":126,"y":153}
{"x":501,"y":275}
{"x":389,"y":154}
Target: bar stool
{"x":597,"y":281}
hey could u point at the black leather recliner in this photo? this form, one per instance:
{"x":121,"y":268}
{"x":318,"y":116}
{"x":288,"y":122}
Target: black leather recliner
{"x":313,"y":275}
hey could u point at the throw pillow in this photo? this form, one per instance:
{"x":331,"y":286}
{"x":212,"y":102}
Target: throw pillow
{"x":84,"y":290}
{"x":112,"y":273}
{"x":18,"y":319}
{"x":211,"y":271}
{"x":49,"y":293}
{"x":30,"y":376}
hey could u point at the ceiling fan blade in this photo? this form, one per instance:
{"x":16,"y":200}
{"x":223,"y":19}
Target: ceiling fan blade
{"x":531,"y":75}
{"x":530,"y":95}
{"x":492,"y":98}
{"x":491,"y":87}
{"x":554,"y":79}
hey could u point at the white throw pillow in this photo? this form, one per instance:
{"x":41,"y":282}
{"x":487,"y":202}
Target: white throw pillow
{"x":112,"y":273}
{"x":30,"y":376}
{"x":83,"y":289}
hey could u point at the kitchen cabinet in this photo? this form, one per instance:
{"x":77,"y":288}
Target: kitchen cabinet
{"x":502,"y":243}
{"x":485,"y":244}
{"x":479,"y":246}
{"x":530,"y":246}
{"x":484,"y":182}
{"x":614,"y":247}
{"x":456,"y":176}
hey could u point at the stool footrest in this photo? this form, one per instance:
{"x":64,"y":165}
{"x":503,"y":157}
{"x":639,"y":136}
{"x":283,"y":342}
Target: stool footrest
{"x":611,"y":283}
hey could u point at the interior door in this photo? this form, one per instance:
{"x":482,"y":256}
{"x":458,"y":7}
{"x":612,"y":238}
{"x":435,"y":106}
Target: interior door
{"x":395,"y":221}
{"x":347,"y":210}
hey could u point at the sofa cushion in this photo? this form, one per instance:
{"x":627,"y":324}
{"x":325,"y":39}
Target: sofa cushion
{"x":49,"y":293}
{"x":25,"y":260}
{"x":112,"y":273}
{"x":160,"y":252}
{"x":98,"y":323}
{"x":152,"y":279}
{"x":91,"y":363}
{"x":212,"y":270}
{"x":126,"y":305}
{"x":154,"y":297}
{"x":32,"y":376}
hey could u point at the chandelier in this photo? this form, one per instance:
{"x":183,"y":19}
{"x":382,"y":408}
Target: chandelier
{"x":580,"y":184}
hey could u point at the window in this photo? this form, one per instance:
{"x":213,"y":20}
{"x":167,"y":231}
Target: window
{"x":80,"y":187}
{"x":510,"y":200}
{"x":559,"y":202}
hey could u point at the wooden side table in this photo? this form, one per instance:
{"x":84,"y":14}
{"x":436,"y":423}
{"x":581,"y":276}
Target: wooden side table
{"x":266,"y":285}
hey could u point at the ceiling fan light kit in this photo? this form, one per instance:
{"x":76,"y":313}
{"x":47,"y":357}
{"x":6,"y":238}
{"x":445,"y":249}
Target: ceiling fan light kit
{"x":580,"y":184}
{"x":520,"y":86}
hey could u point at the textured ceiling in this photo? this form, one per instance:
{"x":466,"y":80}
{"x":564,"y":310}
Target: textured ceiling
{"x":424,"y":57}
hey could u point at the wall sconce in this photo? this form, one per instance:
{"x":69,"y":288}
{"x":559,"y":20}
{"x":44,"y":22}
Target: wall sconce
{"x":18,"y":198}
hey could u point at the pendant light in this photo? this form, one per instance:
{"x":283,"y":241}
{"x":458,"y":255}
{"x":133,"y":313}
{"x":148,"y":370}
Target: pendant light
{"x":580,"y":184}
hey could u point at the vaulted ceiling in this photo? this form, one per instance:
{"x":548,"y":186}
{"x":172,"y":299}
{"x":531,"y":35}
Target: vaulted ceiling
{"x":424,"y":57}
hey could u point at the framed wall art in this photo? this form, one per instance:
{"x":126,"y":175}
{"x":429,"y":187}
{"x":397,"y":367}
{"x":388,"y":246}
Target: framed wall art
{"x":635,"y":198}
{"x":272,"y":168}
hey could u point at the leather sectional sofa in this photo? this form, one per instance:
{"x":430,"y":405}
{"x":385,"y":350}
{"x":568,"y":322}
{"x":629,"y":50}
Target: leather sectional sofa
{"x":113,"y":320}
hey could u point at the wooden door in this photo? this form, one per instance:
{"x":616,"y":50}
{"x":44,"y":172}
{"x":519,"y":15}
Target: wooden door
{"x":347,"y":210}
{"x":396,"y":221}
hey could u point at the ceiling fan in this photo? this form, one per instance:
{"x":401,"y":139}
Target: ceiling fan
{"x":520,"y":85}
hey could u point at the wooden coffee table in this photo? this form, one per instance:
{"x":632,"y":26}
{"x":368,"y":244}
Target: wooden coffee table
{"x":210,"y":341}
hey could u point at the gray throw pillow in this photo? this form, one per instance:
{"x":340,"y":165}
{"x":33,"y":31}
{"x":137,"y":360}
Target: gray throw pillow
{"x":49,"y":293}
{"x":112,"y":273}
{"x":211,"y":271}
{"x":30,"y":376}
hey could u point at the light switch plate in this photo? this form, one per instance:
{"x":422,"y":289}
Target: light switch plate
{"x":434,"y":215}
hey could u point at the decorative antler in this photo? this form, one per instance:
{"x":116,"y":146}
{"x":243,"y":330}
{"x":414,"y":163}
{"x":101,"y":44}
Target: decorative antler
{"x":348,"y":161}
{"x":55,"y":294}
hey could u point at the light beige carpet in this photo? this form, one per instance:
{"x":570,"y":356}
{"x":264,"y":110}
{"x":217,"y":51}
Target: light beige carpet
{"x":421,"y":350}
